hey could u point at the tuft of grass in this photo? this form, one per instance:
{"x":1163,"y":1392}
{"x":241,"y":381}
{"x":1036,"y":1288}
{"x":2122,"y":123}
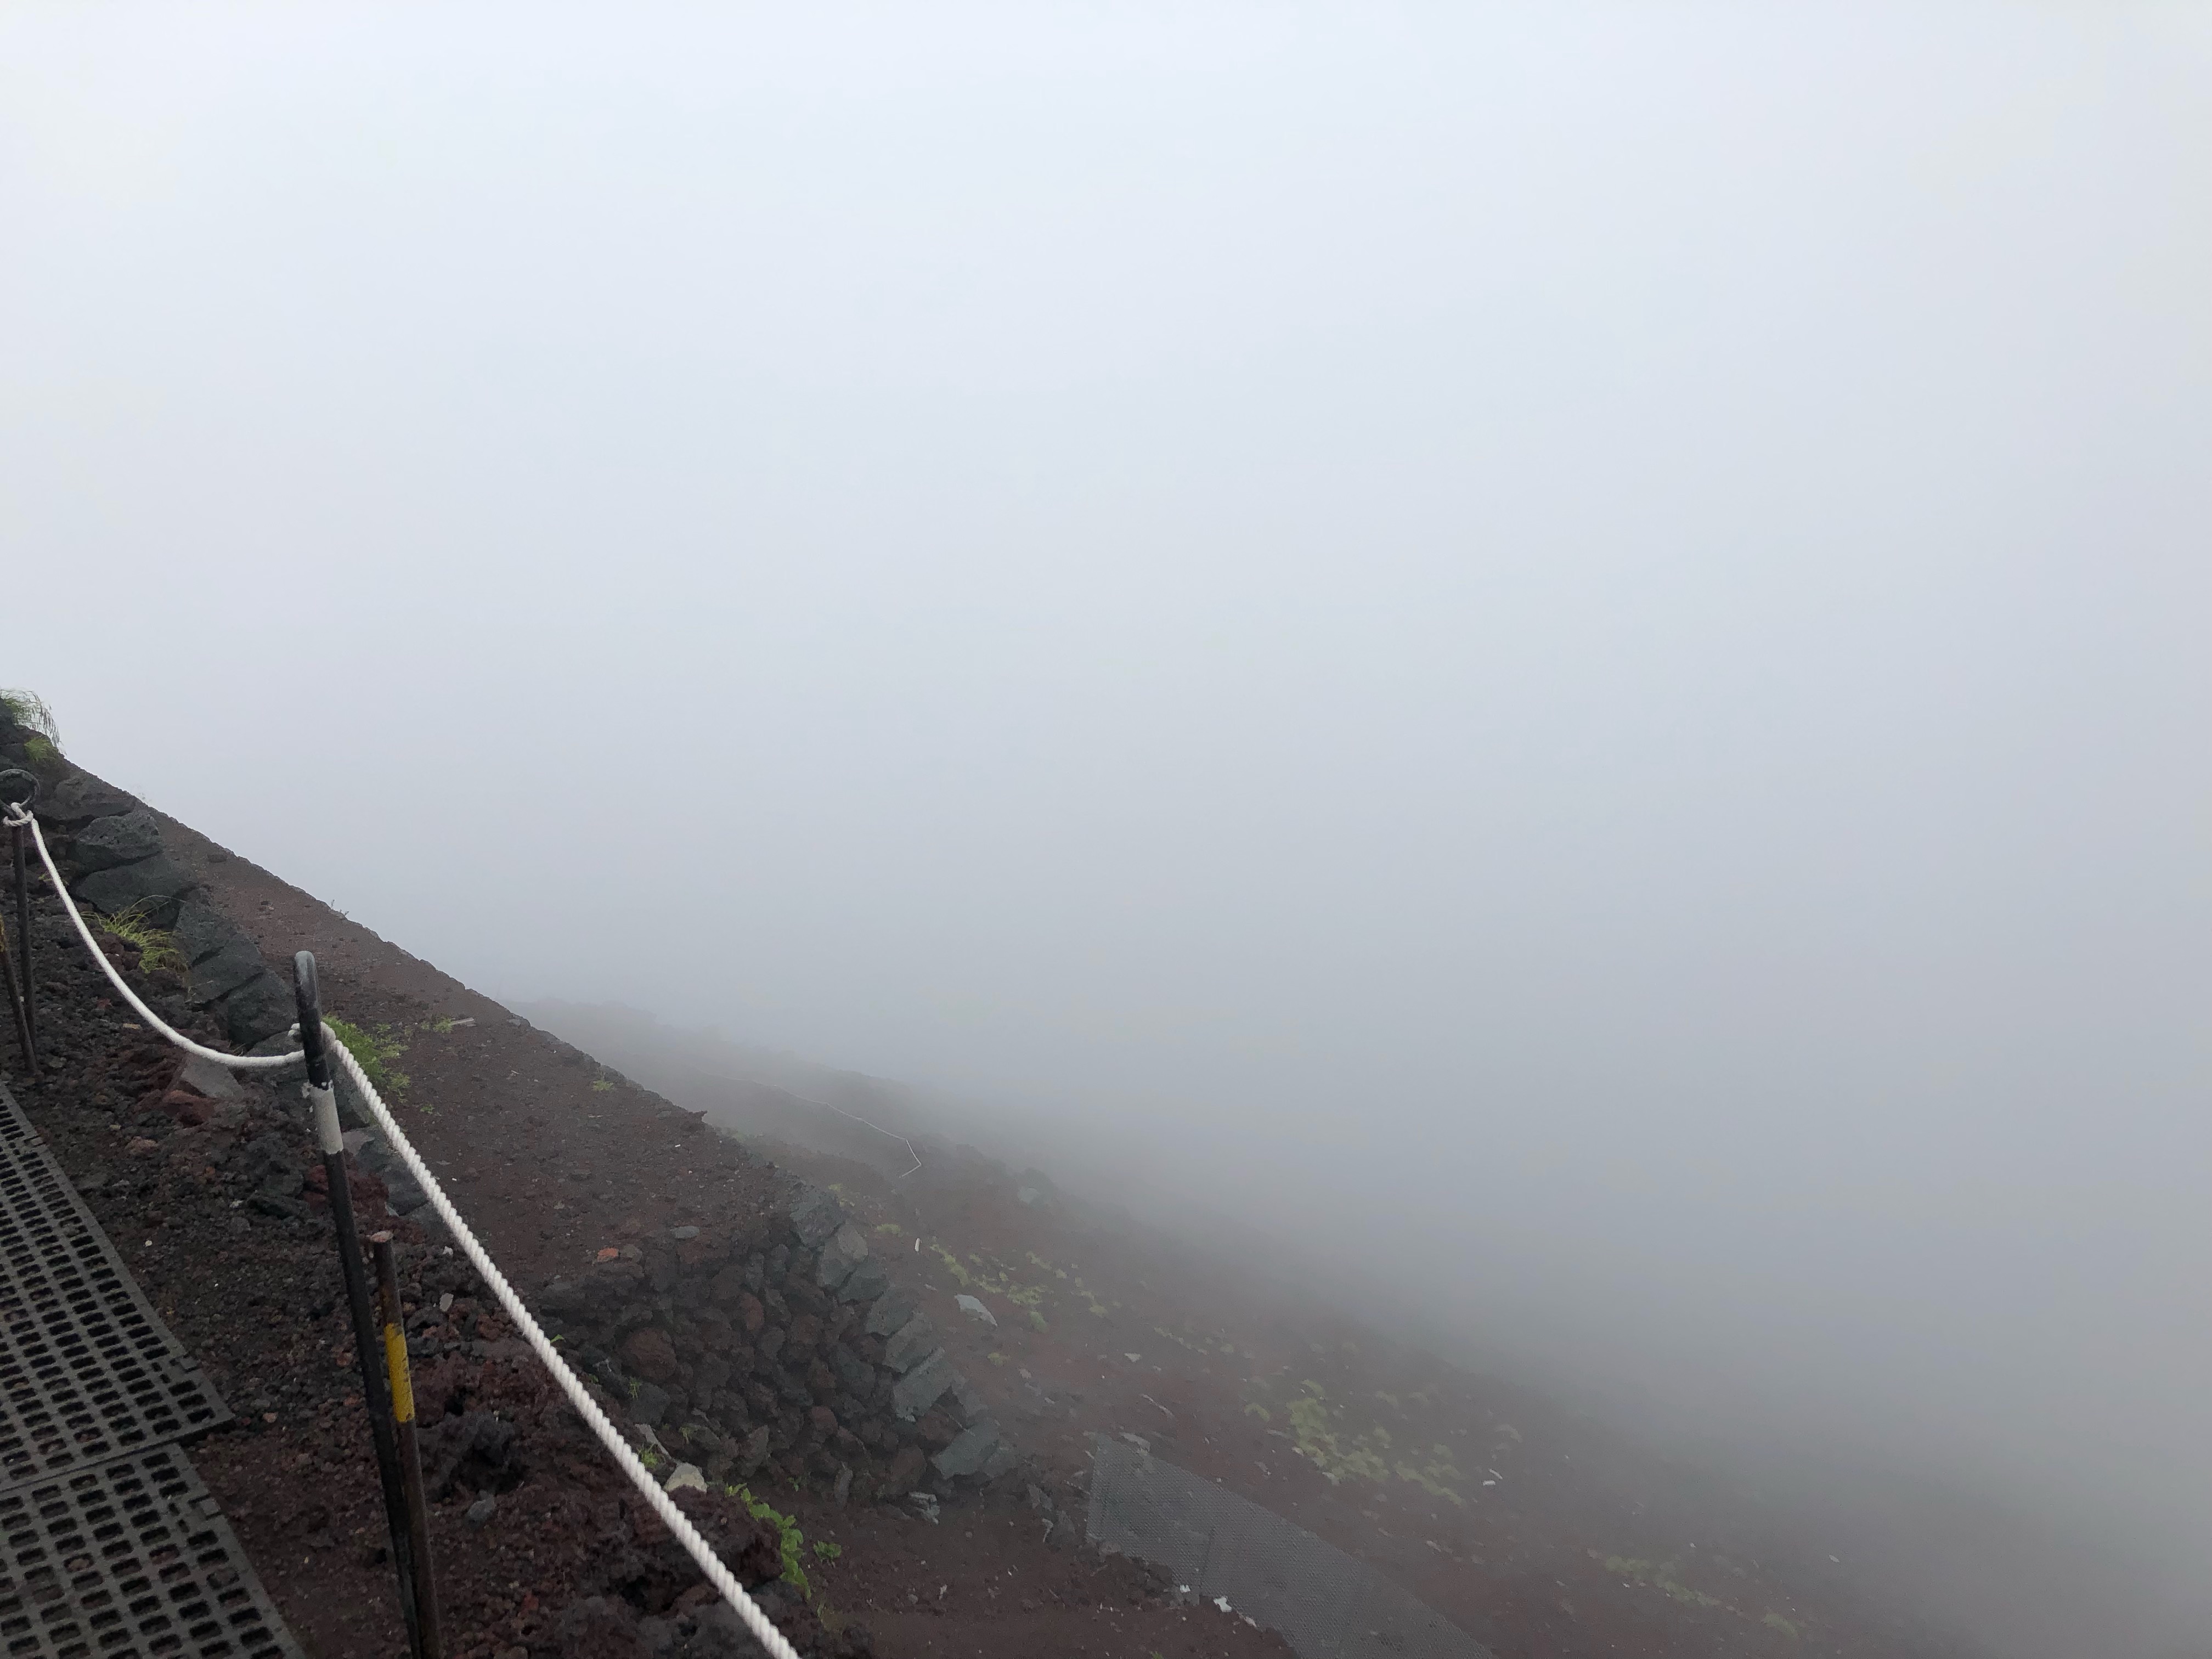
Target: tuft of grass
{"x":603,"y":1085}
{"x":1779,"y":1623}
{"x":376,"y":1052}
{"x":157,"y":946}
{"x":28,"y":710}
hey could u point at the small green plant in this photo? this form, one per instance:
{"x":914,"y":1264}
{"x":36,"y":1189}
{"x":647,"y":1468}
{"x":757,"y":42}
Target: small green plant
{"x":441,"y":1024}
{"x":650,"y":1458}
{"x":603,"y":1084}
{"x":156,"y":947}
{"x":1781,"y":1624}
{"x":1037,"y":1319}
{"x":375,"y":1054}
{"x":891,"y":1228}
{"x":791,"y":1540}
{"x":829,"y":1552}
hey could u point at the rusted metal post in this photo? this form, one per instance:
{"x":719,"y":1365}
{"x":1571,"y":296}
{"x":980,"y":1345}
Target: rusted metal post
{"x":18,"y":789}
{"x":367,"y":1347}
{"x":410,"y":1452}
{"x":30,"y":987}
{"x":15,"y":1005}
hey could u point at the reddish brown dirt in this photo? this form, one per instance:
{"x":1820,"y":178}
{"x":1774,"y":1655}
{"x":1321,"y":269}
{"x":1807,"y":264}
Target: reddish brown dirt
{"x":569,"y":1563}
{"x":1578,"y":1544}
{"x":1563,"y":1538}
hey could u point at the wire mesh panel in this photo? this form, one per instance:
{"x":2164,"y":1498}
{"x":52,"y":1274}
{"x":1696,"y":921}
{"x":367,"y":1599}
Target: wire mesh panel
{"x":1326,"y":1604}
{"x":129,"y":1559}
{"x":88,"y":1371}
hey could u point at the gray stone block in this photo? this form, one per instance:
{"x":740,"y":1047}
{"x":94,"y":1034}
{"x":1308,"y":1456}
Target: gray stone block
{"x":156,"y":883}
{"x":215,"y":1082}
{"x":914,"y":1343}
{"x":202,"y":930}
{"x":106,"y":842}
{"x":969,"y":1451}
{"x":815,"y":1216}
{"x":866,"y":1282}
{"x":403,"y":1191}
{"x":921,"y":1388}
{"x":892,"y":1310}
{"x":80,"y":798}
{"x":259,"y":1010}
{"x":844,"y":1250}
{"x":969,"y":1405}
{"x":854,"y":1372}
{"x":224,"y":972}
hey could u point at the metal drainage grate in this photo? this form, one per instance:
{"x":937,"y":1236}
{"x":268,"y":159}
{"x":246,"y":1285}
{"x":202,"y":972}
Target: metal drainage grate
{"x":129,"y":1559}
{"x":88,"y":1371}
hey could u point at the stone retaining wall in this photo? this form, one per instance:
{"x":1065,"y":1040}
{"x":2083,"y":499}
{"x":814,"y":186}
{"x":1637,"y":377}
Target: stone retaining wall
{"x":786,"y":1345}
{"x":109,"y":848}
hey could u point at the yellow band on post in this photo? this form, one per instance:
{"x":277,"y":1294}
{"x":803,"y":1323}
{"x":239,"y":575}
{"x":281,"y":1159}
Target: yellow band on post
{"x":395,"y":1362}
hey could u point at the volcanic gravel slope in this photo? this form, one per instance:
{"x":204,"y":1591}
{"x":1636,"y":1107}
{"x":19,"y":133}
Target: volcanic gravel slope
{"x":213,"y":1200}
{"x":1537,"y":1533}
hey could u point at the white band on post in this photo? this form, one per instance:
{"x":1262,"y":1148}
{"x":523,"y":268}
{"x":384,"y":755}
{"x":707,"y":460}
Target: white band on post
{"x":323,"y":1103}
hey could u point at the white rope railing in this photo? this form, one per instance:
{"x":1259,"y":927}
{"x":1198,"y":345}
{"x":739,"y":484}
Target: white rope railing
{"x":724,"y":1581}
{"x":17,"y":814}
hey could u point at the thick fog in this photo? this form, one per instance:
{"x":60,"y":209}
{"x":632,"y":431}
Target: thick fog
{"x":1568,"y":636}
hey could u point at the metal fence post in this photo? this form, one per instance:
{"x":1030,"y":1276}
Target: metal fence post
{"x":323,"y":1102}
{"x":18,"y":789}
{"x":15,"y":1005}
{"x":410,"y":1450}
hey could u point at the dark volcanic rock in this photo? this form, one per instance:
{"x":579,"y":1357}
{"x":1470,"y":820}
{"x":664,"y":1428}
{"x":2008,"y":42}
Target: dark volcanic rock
{"x":968,"y":1450}
{"x":844,"y":1250}
{"x":855,"y":1373}
{"x":866,"y":1283}
{"x":218,"y":975}
{"x":815,"y":1216}
{"x":262,"y":1008}
{"x":648,"y":1351}
{"x":106,"y":842}
{"x":922,"y":1386}
{"x":915,"y":1342}
{"x":80,"y":798}
{"x":649,"y":1404}
{"x":156,"y":883}
{"x":906,"y":1469}
{"x":891,"y":1312}
{"x":201,"y":931}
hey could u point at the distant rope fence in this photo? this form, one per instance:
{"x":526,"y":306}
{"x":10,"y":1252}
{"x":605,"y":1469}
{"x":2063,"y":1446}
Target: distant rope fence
{"x":1326,"y":1604}
{"x":325,"y":1109}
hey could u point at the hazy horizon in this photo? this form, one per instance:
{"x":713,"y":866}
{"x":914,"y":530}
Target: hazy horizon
{"x":1575,"y":635}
